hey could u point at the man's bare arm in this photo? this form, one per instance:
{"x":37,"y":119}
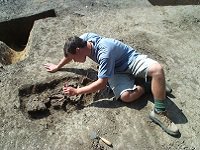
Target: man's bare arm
{"x":93,"y":87}
{"x":53,"y":68}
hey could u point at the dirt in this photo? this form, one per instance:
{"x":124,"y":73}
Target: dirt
{"x":34,"y":112}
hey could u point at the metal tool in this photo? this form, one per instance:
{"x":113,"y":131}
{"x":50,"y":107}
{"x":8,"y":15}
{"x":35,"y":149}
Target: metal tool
{"x":95,"y":136}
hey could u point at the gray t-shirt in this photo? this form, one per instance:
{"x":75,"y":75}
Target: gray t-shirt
{"x":112,"y":55}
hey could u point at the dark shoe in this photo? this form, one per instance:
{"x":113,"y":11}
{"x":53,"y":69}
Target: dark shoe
{"x":164,"y":122}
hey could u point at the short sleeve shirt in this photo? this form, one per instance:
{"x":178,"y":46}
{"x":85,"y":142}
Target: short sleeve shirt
{"x":112,"y":55}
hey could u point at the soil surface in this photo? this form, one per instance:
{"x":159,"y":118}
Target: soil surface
{"x":34,"y":112}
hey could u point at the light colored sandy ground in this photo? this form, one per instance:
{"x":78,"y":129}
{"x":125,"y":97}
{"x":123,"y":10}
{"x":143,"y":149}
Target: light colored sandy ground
{"x":169,"y":34}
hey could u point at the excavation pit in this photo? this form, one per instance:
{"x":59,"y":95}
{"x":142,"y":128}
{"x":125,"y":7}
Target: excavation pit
{"x":44,"y":99}
{"x":15,"y":32}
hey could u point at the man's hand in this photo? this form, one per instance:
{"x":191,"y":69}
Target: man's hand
{"x":51,"y":67}
{"x":70,"y":90}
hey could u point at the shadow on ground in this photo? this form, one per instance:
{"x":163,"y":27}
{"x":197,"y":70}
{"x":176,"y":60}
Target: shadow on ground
{"x":90,"y":73}
{"x":175,"y":114}
{"x":174,"y":2}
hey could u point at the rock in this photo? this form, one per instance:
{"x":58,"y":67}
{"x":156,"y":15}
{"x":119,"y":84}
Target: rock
{"x":35,"y":105}
{"x":36,"y":108}
{"x":58,"y":103}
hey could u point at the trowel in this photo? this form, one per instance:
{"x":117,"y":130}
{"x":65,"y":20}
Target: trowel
{"x":95,"y":136}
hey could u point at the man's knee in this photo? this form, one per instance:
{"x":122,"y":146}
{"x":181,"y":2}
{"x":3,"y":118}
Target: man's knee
{"x":155,"y":69}
{"x":130,"y":96}
{"x":126,"y":97}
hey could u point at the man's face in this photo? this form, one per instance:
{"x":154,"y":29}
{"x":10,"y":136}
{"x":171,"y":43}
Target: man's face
{"x":78,"y":57}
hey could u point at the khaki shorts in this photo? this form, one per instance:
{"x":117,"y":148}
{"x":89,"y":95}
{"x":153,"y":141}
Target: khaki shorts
{"x":125,"y":81}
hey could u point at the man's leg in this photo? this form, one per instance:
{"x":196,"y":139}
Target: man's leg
{"x":159,"y":114}
{"x":143,"y":67}
{"x":123,"y":86}
{"x":130,"y":96}
{"x":158,"y":85}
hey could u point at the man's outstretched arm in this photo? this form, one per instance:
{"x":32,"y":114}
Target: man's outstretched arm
{"x":93,"y":87}
{"x":53,"y":68}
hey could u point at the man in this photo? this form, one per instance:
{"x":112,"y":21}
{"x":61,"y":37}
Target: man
{"x":119,"y":64}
